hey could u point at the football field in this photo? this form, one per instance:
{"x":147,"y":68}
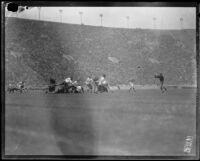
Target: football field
{"x":145,"y":123}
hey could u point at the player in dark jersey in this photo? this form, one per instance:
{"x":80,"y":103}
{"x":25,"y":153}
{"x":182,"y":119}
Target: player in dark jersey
{"x":161,"y":78}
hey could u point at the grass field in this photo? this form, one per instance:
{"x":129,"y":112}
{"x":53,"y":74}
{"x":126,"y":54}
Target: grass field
{"x":145,"y":123}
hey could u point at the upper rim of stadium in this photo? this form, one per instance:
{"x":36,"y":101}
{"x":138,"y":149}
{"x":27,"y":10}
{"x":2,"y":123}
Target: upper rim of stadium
{"x":139,"y":18}
{"x":106,"y":27}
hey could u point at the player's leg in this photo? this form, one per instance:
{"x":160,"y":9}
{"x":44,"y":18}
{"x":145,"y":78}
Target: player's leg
{"x":163,"y":89}
{"x":118,"y":87}
{"x":20,"y":90}
{"x":161,"y":85}
{"x":82,"y":89}
{"x":164,"y":86}
{"x":96,"y":88}
{"x":108,"y":88}
{"x":134,"y":89}
{"x":129,"y":90}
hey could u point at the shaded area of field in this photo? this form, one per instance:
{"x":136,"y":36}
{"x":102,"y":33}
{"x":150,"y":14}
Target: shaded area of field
{"x":146,"y":123}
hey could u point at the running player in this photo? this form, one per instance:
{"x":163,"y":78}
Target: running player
{"x":67,"y":84}
{"x":131,"y":84}
{"x":20,"y":85}
{"x":102,"y":80}
{"x":161,"y":78}
{"x":103,"y":84}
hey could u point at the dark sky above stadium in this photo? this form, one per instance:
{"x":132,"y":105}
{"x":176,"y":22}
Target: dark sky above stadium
{"x":139,"y":17}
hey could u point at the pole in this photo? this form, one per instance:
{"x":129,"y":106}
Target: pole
{"x":60,"y":15}
{"x":39,"y":11}
{"x":127,"y":21}
{"x":81,"y":13}
{"x":154,"y":23}
{"x":101,"y":16}
{"x":181,"y":21}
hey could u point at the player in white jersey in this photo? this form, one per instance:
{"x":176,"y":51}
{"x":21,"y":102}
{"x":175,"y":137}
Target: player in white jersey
{"x":131,"y":84}
{"x":67,"y":84}
{"x":20,"y":85}
{"x":68,"y":80}
{"x":102,"y":80}
{"x":89,"y":84}
{"x":88,"y":81}
{"x":103,"y":84}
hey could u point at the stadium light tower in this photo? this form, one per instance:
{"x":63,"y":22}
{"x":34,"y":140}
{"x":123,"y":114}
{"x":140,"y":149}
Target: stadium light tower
{"x":127,"y":18}
{"x":60,"y":10}
{"x":81,"y":14}
{"x":181,"y":23}
{"x":39,"y":11}
{"x":101,"y":16}
{"x":154,"y":22}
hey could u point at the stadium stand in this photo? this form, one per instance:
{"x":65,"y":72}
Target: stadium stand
{"x":38,"y":50}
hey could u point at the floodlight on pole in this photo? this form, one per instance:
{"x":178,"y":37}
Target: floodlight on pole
{"x":61,"y":15}
{"x":101,"y":16}
{"x":81,"y":13}
{"x":154,"y":22}
{"x":39,"y":12}
{"x":181,"y":23}
{"x":127,"y":18}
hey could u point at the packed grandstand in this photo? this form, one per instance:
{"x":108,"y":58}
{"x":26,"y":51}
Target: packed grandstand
{"x":36,"y":51}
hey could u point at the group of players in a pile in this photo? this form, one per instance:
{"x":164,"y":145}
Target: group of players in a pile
{"x":93,"y":85}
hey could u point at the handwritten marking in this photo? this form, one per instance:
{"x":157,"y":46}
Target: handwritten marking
{"x":188,"y":144}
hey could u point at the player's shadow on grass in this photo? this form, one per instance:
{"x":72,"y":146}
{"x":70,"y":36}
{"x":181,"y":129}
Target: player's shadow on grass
{"x":72,"y":124}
